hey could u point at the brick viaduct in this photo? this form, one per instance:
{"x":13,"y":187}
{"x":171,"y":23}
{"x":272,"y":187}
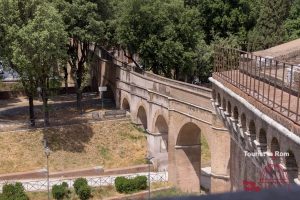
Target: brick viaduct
{"x":176,"y":115}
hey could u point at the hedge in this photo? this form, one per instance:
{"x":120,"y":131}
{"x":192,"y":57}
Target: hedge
{"x":125,"y":185}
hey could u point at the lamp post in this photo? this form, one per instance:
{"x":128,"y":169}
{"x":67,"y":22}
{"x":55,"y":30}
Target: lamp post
{"x":47,"y":153}
{"x":148,"y":158}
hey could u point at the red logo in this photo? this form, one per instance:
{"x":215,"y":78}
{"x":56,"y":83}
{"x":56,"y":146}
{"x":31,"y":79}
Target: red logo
{"x":272,"y":175}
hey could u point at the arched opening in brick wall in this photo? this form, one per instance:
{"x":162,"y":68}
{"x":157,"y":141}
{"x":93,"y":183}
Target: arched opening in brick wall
{"x":229,"y":108}
{"x":224,"y":104}
{"x":142,"y":117}
{"x":243,"y":122}
{"x":262,"y":139}
{"x":252,"y":130}
{"x":291,"y":167}
{"x":125,"y":105}
{"x":275,"y":147}
{"x":235,"y":113}
{"x":214,"y":94}
{"x":188,"y":157}
{"x":161,"y":127}
{"x":219,"y":99}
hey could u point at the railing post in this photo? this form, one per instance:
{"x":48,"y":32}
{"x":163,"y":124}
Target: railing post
{"x":275,"y":84}
{"x":259,"y":68}
{"x":290,"y":90}
{"x":247,"y":73}
{"x":298,"y":92}
{"x":282,"y":87}
{"x":270,"y":72}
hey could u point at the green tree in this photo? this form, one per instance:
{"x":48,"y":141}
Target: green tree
{"x":164,"y":34}
{"x":13,"y":16}
{"x":292,"y":24}
{"x":32,"y":43}
{"x":224,"y":18}
{"x":85,"y":25}
{"x":39,"y":47}
{"x":269,"y":30}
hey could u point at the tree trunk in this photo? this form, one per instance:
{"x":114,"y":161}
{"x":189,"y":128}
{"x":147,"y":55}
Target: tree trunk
{"x":45,"y":108}
{"x":31,"y":111}
{"x":79,"y":97}
{"x":66,"y":79}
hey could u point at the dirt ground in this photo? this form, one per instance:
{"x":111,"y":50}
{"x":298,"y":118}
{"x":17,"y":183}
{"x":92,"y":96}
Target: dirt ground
{"x":110,"y":144}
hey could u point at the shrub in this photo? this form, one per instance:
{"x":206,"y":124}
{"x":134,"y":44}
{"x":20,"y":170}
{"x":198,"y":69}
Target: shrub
{"x":84,"y":192}
{"x":60,"y":192}
{"x":125,"y":185}
{"x":141,"y":182}
{"x":79,"y":183}
{"x":14,"y":192}
{"x":82,"y":189}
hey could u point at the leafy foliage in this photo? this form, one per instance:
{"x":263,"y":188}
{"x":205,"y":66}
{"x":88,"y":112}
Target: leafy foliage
{"x":61,"y":191}
{"x":164,"y":34}
{"x":85,"y":25}
{"x":269,"y":30}
{"x":14,"y":192}
{"x":79,"y":183}
{"x":82,"y":189}
{"x":125,"y":185}
{"x":84,"y":192}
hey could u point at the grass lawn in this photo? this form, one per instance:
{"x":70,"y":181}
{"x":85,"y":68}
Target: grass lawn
{"x":109,"y":144}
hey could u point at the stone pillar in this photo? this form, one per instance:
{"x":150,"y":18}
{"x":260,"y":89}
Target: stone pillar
{"x":171,"y":149}
{"x":188,"y":168}
{"x":220,"y":158}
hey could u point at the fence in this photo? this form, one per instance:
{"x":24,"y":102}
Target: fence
{"x":41,"y":185}
{"x":274,"y":83}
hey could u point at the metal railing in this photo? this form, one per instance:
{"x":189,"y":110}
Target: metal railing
{"x":274,"y":83}
{"x":41,"y":185}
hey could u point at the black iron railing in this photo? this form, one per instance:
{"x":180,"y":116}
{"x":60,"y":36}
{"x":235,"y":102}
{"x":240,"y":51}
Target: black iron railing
{"x":274,"y":83}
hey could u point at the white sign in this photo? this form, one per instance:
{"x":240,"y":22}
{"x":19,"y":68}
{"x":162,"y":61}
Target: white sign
{"x":102,"y":89}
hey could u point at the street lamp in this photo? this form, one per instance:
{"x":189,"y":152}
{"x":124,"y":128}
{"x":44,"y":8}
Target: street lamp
{"x":148,"y":158}
{"x":47,"y":153}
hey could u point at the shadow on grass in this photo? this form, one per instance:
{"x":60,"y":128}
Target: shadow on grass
{"x":71,"y":138}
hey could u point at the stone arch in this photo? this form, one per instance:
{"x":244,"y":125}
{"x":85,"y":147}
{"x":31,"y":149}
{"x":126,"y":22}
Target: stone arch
{"x":142,"y":117}
{"x":161,"y":127}
{"x":229,"y":108}
{"x":219,"y":99}
{"x":188,"y":157}
{"x":224,"y":104}
{"x":235,"y":113}
{"x":291,"y":167}
{"x":125,"y":104}
{"x":252,"y":130}
{"x":262,"y":139}
{"x":243,"y":122}
{"x":274,"y":145}
{"x":214,"y":94}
